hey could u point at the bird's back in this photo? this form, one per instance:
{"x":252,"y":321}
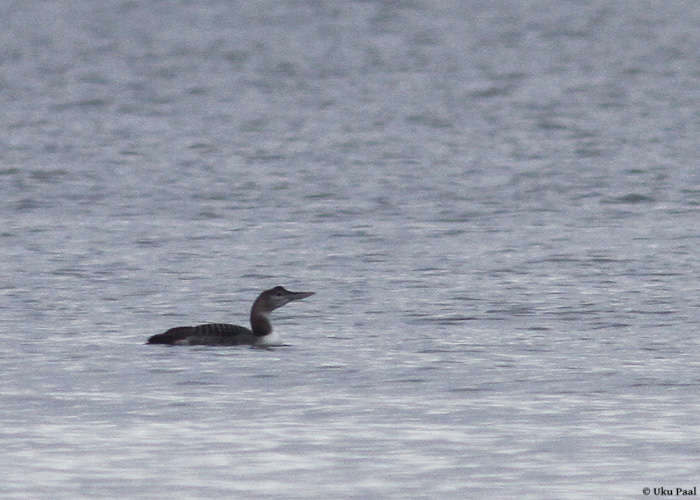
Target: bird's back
{"x":207,"y":334}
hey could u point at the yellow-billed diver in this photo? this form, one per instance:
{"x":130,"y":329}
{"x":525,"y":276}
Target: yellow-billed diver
{"x":224,"y":334}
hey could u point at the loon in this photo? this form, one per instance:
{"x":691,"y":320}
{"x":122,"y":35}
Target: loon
{"x":223,"y":334}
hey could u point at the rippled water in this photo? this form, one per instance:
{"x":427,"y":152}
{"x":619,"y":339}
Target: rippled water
{"x":497,"y":204}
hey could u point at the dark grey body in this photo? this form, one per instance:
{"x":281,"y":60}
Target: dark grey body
{"x":225,"y":334}
{"x":207,"y":334}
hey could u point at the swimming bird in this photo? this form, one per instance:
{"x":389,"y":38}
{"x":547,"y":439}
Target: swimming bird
{"x":223,"y":334}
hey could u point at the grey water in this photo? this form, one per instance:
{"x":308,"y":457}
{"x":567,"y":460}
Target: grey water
{"x":497,"y":204}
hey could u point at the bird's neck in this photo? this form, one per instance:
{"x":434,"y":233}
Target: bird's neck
{"x":260,"y":323}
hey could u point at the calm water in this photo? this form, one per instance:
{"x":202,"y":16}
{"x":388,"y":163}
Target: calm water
{"x":497,"y":203}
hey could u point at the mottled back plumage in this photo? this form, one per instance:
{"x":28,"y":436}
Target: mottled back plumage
{"x":207,"y":334}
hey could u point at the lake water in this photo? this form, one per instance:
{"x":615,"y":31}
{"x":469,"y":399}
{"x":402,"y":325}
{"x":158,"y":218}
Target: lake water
{"x":497,"y":204}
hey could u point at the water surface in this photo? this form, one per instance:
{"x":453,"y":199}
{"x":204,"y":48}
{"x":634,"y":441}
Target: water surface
{"x":496,"y":204}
